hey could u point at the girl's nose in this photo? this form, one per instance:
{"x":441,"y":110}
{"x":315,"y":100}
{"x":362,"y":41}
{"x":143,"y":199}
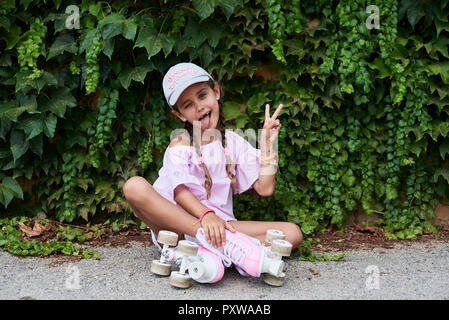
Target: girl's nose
{"x":200,"y":108}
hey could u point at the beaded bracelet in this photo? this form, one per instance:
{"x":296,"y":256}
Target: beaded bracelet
{"x":265,"y":160}
{"x":275,"y":162}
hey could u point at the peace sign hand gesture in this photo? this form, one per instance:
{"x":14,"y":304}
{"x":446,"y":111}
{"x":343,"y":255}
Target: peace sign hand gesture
{"x":270,"y":129}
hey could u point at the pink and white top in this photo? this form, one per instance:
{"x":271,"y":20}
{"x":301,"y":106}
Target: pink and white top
{"x":181,"y":165}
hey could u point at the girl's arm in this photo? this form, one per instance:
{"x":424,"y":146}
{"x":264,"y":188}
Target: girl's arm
{"x":214,"y":227}
{"x":264,"y":186}
{"x":188,"y":201}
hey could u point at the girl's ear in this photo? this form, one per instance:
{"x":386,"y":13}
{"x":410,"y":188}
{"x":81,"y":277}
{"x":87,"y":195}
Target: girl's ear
{"x":176,"y":113}
{"x":217,"y":90}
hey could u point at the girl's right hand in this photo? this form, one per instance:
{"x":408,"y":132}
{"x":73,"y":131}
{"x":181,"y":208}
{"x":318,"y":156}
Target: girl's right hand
{"x":215,"y":229}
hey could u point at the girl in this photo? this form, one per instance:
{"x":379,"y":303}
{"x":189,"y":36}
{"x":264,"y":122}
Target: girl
{"x":206,"y":164}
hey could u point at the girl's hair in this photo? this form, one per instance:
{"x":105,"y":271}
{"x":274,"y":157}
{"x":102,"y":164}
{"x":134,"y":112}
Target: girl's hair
{"x":221,"y":127}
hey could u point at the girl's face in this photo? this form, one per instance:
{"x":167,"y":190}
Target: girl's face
{"x":199,"y":102}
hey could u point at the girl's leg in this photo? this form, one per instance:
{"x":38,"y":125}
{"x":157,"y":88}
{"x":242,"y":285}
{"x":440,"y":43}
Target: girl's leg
{"x":258,"y":230}
{"x":155,"y":211}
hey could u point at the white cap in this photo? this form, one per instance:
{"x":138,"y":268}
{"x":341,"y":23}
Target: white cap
{"x":180,"y":77}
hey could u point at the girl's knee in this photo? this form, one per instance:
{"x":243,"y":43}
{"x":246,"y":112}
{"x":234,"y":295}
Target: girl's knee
{"x":293,"y":234}
{"x":133,"y":186}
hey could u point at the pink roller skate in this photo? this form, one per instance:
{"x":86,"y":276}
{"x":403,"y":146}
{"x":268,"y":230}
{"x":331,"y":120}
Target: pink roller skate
{"x":251,"y":257}
{"x":194,"y":261}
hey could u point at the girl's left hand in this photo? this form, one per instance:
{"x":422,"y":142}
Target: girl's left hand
{"x":270,"y":128}
{"x":214,"y":229}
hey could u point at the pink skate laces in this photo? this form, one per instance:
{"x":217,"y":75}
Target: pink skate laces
{"x":202,"y":240}
{"x":235,"y":252}
{"x":232,"y":251}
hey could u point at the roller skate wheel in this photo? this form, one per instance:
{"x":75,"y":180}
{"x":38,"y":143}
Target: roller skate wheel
{"x":276,"y":267}
{"x":167,"y":237}
{"x":159,"y":268}
{"x":196,"y":270}
{"x":187,"y":248}
{"x":275,"y":281}
{"x":179,"y":280}
{"x":274,"y":234}
{"x":281,"y":247}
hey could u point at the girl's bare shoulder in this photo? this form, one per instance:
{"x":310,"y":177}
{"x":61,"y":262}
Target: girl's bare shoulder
{"x":181,"y":140}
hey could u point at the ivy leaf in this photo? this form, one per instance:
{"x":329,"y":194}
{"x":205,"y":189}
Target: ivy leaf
{"x":379,"y":65}
{"x":77,"y":138}
{"x":444,"y":148}
{"x":194,"y":35}
{"x":444,"y":128}
{"x":439,"y":45}
{"x":115,"y":24}
{"x":49,"y":125}
{"x":295,"y":47}
{"x":129,"y":29}
{"x":229,"y":6}
{"x":167,"y":43}
{"x":440,"y":103}
{"x":214,"y":32}
{"x":58,"y":101}
{"x":133,"y":74}
{"x":37,"y":145}
{"x":104,"y":191}
{"x":348,"y":178}
{"x":205,"y":53}
{"x":12,"y":37}
{"x":28,"y":102}
{"x":31,"y":126}
{"x":204,"y":7}
{"x":4,"y":23}
{"x":9,"y":188}
{"x":441,"y":25}
{"x":18,"y":144}
{"x":256,"y":101}
{"x":241,"y":121}
{"x":380,"y":189}
{"x":10,"y":110}
{"x":315,"y":151}
{"x":84,"y":183}
{"x":231,"y":110}
{"x":64,"y":42}
{"x":108,"y":47}
{"x":415,"y":10}
{"x":154,"y":42}
{"x":86,"y":39}
{"x":24,"y":84}
{"x":441,"y":172}
{"x":418,"y":147}
{"x":441,"y":68}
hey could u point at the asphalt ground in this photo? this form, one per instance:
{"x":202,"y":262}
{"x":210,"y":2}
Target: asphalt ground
{"x":418,"y":271}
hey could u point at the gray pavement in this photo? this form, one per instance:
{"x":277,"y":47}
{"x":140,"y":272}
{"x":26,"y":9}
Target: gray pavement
{"x":418,"y":271}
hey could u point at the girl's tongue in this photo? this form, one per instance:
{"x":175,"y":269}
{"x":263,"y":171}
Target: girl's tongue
{"x":205,"y":122}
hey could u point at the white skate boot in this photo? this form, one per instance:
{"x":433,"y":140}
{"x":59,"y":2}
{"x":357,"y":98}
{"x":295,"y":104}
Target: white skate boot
{"x":194,"y":261}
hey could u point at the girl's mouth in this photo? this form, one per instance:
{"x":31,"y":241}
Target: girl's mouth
{"x":205,"y":120}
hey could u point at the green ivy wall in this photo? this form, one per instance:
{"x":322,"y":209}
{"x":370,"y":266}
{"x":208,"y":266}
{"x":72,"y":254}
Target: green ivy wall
{"x":365,"y":121}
